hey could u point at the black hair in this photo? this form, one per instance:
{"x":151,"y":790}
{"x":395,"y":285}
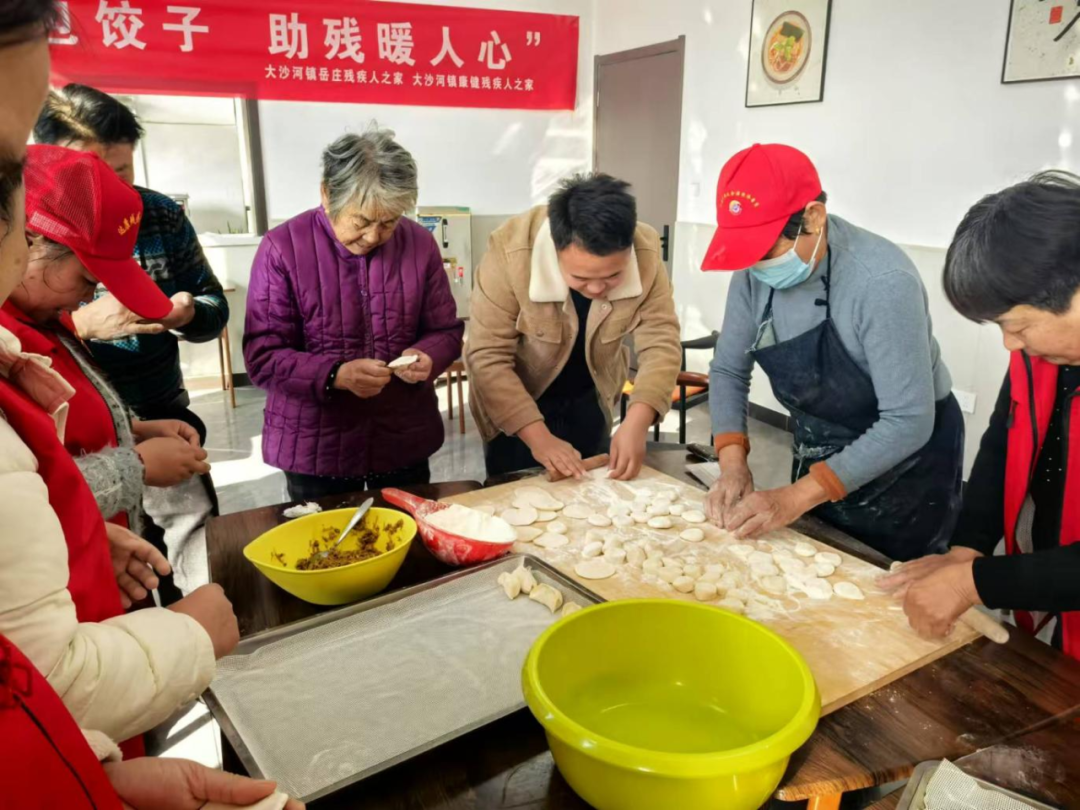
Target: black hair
{"x":594,"y":211}
{"x":1017,"y":246}
{"x":80,"y":113}
{"x":26,"y":20}
{"x":11,"y":178}
{"x":796,"y":225}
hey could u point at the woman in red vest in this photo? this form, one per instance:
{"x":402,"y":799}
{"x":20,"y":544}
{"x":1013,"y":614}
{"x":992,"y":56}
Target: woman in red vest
{"x":1015,"y":261}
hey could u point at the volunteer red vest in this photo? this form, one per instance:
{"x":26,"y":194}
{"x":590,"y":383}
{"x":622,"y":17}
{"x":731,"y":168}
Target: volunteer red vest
{"x":44,"y":759}
{"x":1034,"y":390}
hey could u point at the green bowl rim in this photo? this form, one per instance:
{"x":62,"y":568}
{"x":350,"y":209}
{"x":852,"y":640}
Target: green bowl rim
{"x":387,"y":553}
{"x":666,"y":763}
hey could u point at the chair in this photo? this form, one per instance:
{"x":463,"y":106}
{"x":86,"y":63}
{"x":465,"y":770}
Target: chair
{"x":691,"y":388}
{"x":458,"y":368}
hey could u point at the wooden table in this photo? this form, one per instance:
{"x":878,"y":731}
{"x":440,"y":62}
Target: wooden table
{"x":979,"y":696}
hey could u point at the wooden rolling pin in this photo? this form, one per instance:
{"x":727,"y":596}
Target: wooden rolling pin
{"x":981,"y":623}
{"x":590,"y":464}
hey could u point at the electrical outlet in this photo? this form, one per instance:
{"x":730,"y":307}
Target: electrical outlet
{"x":966,"y":400}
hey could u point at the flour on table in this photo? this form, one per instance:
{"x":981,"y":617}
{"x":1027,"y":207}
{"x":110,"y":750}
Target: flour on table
{"x":473,"y":524}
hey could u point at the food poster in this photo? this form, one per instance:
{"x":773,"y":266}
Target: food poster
{"x":788,"y":43}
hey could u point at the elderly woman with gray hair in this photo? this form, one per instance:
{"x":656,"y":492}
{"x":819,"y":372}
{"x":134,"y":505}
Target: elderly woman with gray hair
{"x":336,"y":294}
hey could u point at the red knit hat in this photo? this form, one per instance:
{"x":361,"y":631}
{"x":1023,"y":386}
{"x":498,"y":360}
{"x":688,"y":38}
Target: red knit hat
{"x":759,"y":189}
{"x":75,"y":199}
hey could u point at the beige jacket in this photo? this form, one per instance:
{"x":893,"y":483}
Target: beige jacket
{"x":523,"y":325}
{"x":120,"y":677}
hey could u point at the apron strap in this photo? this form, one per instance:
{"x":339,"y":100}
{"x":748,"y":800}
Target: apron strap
{"x":827,"y":281}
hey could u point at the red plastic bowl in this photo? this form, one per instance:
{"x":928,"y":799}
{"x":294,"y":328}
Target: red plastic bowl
{"x":452,"y":549}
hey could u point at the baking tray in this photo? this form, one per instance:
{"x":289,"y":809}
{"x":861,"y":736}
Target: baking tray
{"x":914,"y":795}
{"x":322,"y":703}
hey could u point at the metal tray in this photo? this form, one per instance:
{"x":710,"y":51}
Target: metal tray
{"x":322,"y":703}
{"x":913,"y":797}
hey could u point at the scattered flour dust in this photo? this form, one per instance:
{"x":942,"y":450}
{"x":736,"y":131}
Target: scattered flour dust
{"x":473,"y":524}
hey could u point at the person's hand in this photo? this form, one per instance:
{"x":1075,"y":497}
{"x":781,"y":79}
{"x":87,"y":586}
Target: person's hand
{"x":180,"y":784}
{"x":901,"y":576}
{"x":364,"y":378}
{"x":735,"y":483}
{"x":183,"y":311}
{"x":419,"y":371}
{"x":769,"y":509}
{"x":553,"y":453}
{"x":170,"y":460}
{"x":136,"y":564}
{"x":107,"y":319}
{"x":210,"y":607}
{"x":934,"y":602}
{"x":628,"y":444}
{"x":164,"y":429}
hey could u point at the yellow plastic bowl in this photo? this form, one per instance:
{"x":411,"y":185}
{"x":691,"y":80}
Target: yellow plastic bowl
{"x":661,"y":704}
{"x":332,"y":586}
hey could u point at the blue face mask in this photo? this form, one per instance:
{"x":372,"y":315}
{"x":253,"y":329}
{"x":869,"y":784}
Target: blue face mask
{"x":786,"y":270}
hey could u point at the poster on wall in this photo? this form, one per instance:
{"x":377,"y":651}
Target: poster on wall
{"x":789,"y":40}
{"x":319,"y":50}
{"x":1042,"y":42}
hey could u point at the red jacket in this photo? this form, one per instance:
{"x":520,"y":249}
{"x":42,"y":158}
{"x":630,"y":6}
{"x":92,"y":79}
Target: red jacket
{"x":45,"y":762}
{"x":1033,"y":385}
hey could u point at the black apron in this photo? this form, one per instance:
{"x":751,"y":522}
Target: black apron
{"x":910,"y":510}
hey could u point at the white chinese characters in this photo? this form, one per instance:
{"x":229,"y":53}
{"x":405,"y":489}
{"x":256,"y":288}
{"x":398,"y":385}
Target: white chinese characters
{"x":287,"y":35}
{"x":186,"y":26}
{"x":487,"y":51}
{"x":120,"y":25}
{"x":447,"y":50}
{"x":396,"y":43}
{"x":343,"y":39}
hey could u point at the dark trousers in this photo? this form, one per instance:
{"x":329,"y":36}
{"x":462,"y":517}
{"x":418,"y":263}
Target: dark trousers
{"x":176,"y":411}
{"x":578,"y":420}
{"x":303,"y":487}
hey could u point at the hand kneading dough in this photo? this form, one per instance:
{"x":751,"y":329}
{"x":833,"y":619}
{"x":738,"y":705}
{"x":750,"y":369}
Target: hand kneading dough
{"x":557,"y":527}
{"x":593,"y":549}
{"x":520,"y":516}
{"x":829,"y":558}
{"x":525,"y":577}
{"x":704,"y":591}
{"x":552,"y":540}
{"x":596,"y":519}
{"x":547,"y":596}
{"x":594,"y":569}
{"x":578,"y":511}
{"x":660,"y":522}
{"x":848,"y":590}
{"x":693,"y":516}
{"x":511,"y":585}
{"x":692,"y":535}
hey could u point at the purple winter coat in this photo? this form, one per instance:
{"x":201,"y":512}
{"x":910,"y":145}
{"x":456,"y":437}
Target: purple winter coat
{"x":311,"y":303}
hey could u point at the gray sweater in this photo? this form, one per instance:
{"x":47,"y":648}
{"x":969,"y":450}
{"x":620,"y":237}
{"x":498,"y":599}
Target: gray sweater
{"x":880,"y":310}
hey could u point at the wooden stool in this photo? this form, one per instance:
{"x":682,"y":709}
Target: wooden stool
{"x":458,"y":368}
{"x":225,"y":359}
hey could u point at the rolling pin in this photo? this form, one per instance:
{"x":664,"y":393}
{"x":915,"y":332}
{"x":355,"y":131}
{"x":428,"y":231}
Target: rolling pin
{"x":590,"y":464}
{"x":977,"y":620}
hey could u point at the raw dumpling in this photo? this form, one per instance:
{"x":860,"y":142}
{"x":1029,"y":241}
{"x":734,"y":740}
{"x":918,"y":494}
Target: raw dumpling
{"x":828,"y":557}
{"x":592,"y":535}
{"x":578,"y":511}
{"x":635,"y":556}
{"x":511,"y":585}
{"x":677,"y":509}
{"x":670,"y":574}
{"x":616,"y":556}
{"x":622,"y":521}
{"x":804,"y":549}
{"x":693,"y":570}
{"x":848,"y":590}
{"x":526,"y":534}
{"x":552,"y":540}
{"x":520,"y":516}
{"x":639,"y":517}
{"x":710,"y":576}
{"x":705,"y":591}
{"x":693,"y":516}
{"x":618,"y":508}
{"x":537,"y":498}
{"x":594,"y":549}
{"x":557,"y":527}
{"x":659,"y":508}
{"x":525,"y":577}
{"x":660,"y":522}
{"x":568,"y":608}
{"x":692,"y":535}
{"x":651,"y":566}
{"x":596,"y":519}
{"x":594,"y":569}
{"x":732,"y":604}
{"x":549,"y":597}
{"x":683,"y":584}
{"x":544,"y":516}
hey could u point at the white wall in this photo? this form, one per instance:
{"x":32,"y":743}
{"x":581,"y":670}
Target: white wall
{"x":493,"y":161}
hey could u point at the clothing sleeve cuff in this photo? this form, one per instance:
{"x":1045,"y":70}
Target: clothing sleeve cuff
{"x":722,"y":440}
{"x":829,"y":481}
{"x":521,"y":418}
{"x":995,"y":579}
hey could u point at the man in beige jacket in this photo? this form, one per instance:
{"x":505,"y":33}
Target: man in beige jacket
{"x":557,"y":294}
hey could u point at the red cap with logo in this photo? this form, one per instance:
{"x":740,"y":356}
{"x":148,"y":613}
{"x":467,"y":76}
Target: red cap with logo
{"x":759,"y":189}
{"x":75,"y":199}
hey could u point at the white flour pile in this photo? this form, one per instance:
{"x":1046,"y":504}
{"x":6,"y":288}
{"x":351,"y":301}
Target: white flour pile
{"x":473,"y":524}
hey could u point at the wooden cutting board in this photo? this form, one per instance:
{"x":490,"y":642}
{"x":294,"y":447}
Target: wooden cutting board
{"x":852,"y":647}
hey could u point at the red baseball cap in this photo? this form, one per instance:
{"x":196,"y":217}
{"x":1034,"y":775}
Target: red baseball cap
{"x":758,"y":191}
{"x":75,"y":199}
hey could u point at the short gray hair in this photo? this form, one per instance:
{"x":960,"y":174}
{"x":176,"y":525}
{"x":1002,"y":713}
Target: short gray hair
{"x":369,"y":168}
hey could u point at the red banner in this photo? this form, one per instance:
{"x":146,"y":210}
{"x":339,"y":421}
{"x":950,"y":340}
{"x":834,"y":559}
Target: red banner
{"x":314,"y":50}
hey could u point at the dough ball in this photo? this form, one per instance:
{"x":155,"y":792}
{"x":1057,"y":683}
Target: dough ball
{"x":520,"y":516}
{"x":804,"y":549}
{"x":612,"y":542}
{"x":671,"y":562}
{"x":683,"y":584}
{"x":693,"y":570}
{"x":774,"y":584}
{"x":593,"y":549}
{"x":526,"y":534}
{"x":824,"y":569}
{"x":734,"y":605}
{"x":557,"y":527}
{"x":594,"y":569}
{"x":615,"y":556}
{"x":658,"y":509}
{"x":596,"y":519}
{"x":568,"y":608}
{"x":511,"y":585}
{"x":828,"y":557}
{"x":525,"y":578}
{"x":537,"y":498}
{"x":715,"y":568}
{"x":654,"y":553}
{"x":552,"y":540}
{"x":789,"y":565}
{"x":486,"y":508}
{"x":730,"y":580}
{"x":640,"y":506}
{"x":710,"y":576}
{"x":665,"y":587}
{"x":660,"y":522}
{"x":639,"y":517}
{"x":848,"y":590}
{"x":549,"y":597}
{"x":693,"y":516}
{"x":651,"y":566}
{"x":705,"y":591}
{"x":622,"y":521}
{"x":670,"y":574}
{"x":595,"y":535}
{"x":618,"y":508}
{"x":544,"y":517}
{"x":635,"y":556}
{"x":578,"y":511}
{"x":677,"y":508}
{"x":692,"y":535}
